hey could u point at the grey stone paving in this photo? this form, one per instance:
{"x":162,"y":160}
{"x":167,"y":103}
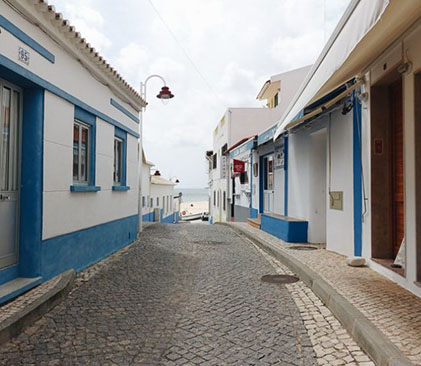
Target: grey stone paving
{"x":183,"y":295}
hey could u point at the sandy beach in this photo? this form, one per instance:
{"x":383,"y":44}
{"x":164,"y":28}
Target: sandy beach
{"x":191,"y":208}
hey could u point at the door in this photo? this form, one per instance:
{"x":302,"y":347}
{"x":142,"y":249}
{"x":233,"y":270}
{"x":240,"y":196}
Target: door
{"x":9,"y":173}
{"x":268,"y":190}
{"x":398,"y":203}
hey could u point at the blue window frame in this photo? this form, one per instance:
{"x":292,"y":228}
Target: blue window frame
{"x":120,"y":160}
{"x":84,"y":148}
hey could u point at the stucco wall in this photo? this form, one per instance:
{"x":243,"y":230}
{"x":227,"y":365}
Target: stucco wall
{"x":340,"y":224}
{"x":65,"y":211}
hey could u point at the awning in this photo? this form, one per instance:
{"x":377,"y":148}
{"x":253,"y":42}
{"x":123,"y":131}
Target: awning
{"x":367,"y":28}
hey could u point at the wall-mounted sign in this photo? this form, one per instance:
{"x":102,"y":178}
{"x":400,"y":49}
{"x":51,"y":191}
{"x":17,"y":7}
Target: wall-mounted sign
{"x":23,"y":56}
{"x":279,"y":159}
{"x":378,"y":146}
{"x":223,"y":166}
{"x":239,"y":166}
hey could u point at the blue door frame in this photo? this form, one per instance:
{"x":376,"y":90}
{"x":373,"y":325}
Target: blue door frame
{"x":31,"y":180}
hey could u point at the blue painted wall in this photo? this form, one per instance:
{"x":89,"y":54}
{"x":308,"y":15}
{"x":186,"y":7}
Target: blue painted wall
{"x":82,"y":248}
{"x":286,"y":146}
{"x":168,"y":220}
{"x":149,"y":217}
{"x":254,"y":213}
{"x":357,"y":172}
{"x":31,"y":183}
{"x":289,"y":231}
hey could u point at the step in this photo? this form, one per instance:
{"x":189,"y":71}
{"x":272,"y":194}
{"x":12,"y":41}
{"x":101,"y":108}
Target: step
{"x":16,"y":287}
{"x":254,"y":222}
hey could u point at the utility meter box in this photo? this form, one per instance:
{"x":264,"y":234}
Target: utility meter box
{"x":336,"y":199}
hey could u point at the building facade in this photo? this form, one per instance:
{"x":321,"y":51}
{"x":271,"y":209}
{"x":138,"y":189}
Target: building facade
{"x":68,"y":149}
{"x":353,"y":131}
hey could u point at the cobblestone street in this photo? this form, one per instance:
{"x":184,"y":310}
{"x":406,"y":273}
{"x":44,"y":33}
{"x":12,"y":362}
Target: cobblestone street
{"x":184,"y":295}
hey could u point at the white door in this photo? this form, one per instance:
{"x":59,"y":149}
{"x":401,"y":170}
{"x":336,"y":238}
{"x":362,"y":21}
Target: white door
{"x":268,"y":191}
{"x":9,"y":172}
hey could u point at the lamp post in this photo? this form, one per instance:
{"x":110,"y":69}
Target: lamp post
{"x":165,"y":95}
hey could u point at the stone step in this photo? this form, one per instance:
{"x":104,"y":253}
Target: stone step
{"x":18,"y":286}
{"x":254,"y":222}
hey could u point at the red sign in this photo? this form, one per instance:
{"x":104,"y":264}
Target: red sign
{"x":239,"y":166}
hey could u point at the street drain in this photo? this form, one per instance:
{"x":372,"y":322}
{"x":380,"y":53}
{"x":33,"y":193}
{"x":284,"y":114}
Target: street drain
{"x":280,"y":279}
{"x":302,"y":247}
{"x":209,"y":242}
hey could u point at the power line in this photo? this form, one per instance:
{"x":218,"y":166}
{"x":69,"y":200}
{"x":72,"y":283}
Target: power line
{"x":185,"y":52}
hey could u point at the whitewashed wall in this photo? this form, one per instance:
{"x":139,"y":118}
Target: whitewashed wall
{"x":146,"y":188}
{"x":340,"y":224}
{"x":65,"y":211}
{"x":307,"y":171}
{"x":163,"y":190}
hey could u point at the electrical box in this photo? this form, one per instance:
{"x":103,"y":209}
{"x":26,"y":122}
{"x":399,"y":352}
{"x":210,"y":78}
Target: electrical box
{"x":336,"y":199}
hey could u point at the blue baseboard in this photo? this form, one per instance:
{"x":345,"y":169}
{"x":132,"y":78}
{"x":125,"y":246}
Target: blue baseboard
{"x":83,"y":248}
{"x":289,"y":231}
{"x":254,"y":212}
{"x":168,"y":220}
{"x":149,"y":217}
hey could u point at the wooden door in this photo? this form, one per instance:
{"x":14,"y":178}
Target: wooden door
{"x":398,"y":192}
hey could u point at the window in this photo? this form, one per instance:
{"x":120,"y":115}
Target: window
{"x":275,"y":100}
{"x":118,"y":161}
{"x":84,"y":158}
{"x":214,"y":198}
{"x":214,"y":160}
{"x":219,"y":197}
{"x":157,"y":202}
{"x":151,"y":203}
{"x":143,"y":201}
{"x":81,"y":152}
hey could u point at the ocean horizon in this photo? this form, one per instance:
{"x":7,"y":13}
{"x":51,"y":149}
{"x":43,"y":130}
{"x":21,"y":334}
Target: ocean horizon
{"x":193,"y":194}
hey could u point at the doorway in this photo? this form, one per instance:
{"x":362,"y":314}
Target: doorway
{"x":268,"y":184}
{"x":387,"y":170}
{"x":10,"y":106}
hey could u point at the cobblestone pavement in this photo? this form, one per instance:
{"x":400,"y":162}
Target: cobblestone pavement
{"x":331,"y":341}
{"x":391,"y":308}
{"x":183,"y":295}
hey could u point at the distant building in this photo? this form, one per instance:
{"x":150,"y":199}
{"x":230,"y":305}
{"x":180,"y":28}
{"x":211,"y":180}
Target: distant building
{"x":159,"y":202}
{"x":68,"y":149}
{"x":231,"y":194}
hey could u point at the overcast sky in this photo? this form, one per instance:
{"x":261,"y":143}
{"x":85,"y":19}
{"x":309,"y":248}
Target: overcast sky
{"x":213,"y":54}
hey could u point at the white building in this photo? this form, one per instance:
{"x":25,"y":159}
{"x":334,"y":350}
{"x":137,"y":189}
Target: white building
{"x":243,"y":187}
{"x":353,"y":148}
{"x":68,"y":149}
{"x":159,"y":202}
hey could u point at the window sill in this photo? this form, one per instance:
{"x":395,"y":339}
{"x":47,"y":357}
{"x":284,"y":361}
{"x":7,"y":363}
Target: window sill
{"x":85,"y":188}
{"x":121,"y":188}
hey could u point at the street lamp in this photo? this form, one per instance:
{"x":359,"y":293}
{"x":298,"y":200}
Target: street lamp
{"x":164,"y":95}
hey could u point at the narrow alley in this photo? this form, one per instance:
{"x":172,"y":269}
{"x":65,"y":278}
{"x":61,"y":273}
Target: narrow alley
{"x":184,"y":295}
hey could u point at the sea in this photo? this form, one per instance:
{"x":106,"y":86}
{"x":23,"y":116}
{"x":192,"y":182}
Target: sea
{"x":193,"y":194}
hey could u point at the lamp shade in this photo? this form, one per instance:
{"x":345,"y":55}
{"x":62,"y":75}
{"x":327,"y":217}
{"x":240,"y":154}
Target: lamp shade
{"x":165,"y":93}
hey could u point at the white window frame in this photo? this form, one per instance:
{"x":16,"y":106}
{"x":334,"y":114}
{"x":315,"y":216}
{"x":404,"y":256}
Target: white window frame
{"x":82,"y":126}
{"x":118,"y":182}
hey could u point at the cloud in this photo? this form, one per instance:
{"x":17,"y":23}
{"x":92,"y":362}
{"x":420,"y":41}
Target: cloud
{"x":89,"y":22}
{"x":236,"y":45}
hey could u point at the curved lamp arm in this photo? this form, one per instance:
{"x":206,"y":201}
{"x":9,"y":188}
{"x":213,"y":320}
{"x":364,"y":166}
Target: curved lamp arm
{"x":143,"y":85}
